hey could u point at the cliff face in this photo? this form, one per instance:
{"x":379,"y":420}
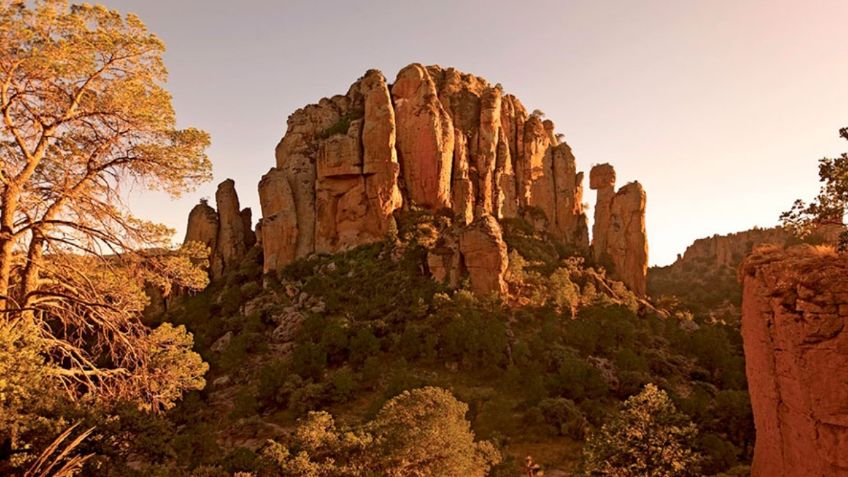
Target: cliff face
{"x":794,"y":310}
{"x":227,"y":231}
{"x":434,"y":139}
{"x":729,"y":250}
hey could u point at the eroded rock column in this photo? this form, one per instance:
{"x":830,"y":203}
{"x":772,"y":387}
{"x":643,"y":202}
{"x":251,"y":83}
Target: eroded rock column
{"x":279,"y":223}
{"x":601,"y":179}
{"x":425,"y":138}
{"x":231,"y":241}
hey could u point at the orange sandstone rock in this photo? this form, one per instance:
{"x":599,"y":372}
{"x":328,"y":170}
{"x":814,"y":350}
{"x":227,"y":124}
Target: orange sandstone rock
{"x":794,"y":311}
{"x":484,"y":255}
{"x":619,"y":238}
{"x":231,"y":240}
{"x":425,"y":138}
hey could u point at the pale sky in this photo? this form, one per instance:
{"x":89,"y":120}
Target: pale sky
{"x":719,"y":108}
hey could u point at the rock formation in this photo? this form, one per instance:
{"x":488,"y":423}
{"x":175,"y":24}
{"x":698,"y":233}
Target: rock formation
{"x":478,"y":250}
{"x":729,"y":250}
{"x":438,"y":139}
{"x":483,"y":253}
{"x":618,"y":234}
{"x":794,"y":310}
{"x":202,"y":225}
{"x":227,"y":232}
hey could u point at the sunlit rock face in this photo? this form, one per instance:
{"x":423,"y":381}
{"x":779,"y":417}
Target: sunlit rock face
{"x":227,"y":231}
{"x":202,"y":225}
{"x":435,"y":139}
{"x":794,"y":310}
{"x":619,"y":237}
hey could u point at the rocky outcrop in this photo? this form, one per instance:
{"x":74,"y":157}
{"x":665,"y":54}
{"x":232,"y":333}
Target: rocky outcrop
{"x":442,"y":141}
{"x":439,"y":139}
{"x":602,"y":180}
{"x":227,"y":231}
{"x":424,"y":138}
{"x":795,"y":307}
{"x":279,"y":220}
{"x":729,"y":250}
{"x":619,"y":238}
{"x":478,"y":250}
{"x":484,"y":256}
{"x":202,"y":225}
{"x":235,"y":235}
{"x":336,"y":181}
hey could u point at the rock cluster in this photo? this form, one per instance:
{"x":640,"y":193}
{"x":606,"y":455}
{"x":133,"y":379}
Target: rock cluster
{"x":227,"y":231}
{"x":794,"y":310}
{"x":434,"y":139}
{"x":618,"y":233}
{"x":439,"y":140}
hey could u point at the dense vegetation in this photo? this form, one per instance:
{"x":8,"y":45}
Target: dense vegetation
{"x":540,"y":373}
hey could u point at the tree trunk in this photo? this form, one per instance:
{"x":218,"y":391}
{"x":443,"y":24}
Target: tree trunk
{"x":7,"y":242}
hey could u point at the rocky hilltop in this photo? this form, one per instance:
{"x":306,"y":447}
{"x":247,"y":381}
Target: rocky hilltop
{"x":794,"y":309}
{"x":439,"y":140}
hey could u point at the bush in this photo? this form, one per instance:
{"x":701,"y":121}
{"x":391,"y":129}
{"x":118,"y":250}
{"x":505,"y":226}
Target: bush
{"x":559,"y":417}
{"x":648,"y":437}
{"x":363,"y":345}
{"x":408,"y":437}
{"x":309,"y":360}
{"x":272,"y":376}
{"x":343,"y":383}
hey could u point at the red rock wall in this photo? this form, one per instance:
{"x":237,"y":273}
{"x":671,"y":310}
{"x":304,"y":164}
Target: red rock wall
{"x":794,"y":310}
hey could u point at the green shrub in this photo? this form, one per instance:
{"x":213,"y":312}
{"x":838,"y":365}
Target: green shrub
{"x":244,"y":403}
{"x":363,"y":345}
{"x":308,"y":397}
{"x":559,"y":417}
{"x":343,"y":384}
{"x":240,"y":459}
{"x":272,"y":377}
{"x":309,"y":360}
{"x":648,"y":437}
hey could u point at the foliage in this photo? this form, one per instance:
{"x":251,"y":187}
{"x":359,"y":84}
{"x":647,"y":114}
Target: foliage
{"x":828,"y":208}
{"x":648,"y":437}
{"x":85,"y":117}
{"x":418,"y":433}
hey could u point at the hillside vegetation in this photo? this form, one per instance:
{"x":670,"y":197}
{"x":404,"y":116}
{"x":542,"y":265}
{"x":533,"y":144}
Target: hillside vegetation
{"x":343,"y":334}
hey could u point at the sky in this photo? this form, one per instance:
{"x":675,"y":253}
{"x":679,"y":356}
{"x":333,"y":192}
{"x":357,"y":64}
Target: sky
{"x":719,"y":108}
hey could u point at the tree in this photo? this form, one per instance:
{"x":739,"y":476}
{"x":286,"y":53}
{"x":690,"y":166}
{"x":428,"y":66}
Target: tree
{"x":648,"y":437}
{"x":85,"y":117}
{"x":419,"y":433}
{"x":828,"y":208}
